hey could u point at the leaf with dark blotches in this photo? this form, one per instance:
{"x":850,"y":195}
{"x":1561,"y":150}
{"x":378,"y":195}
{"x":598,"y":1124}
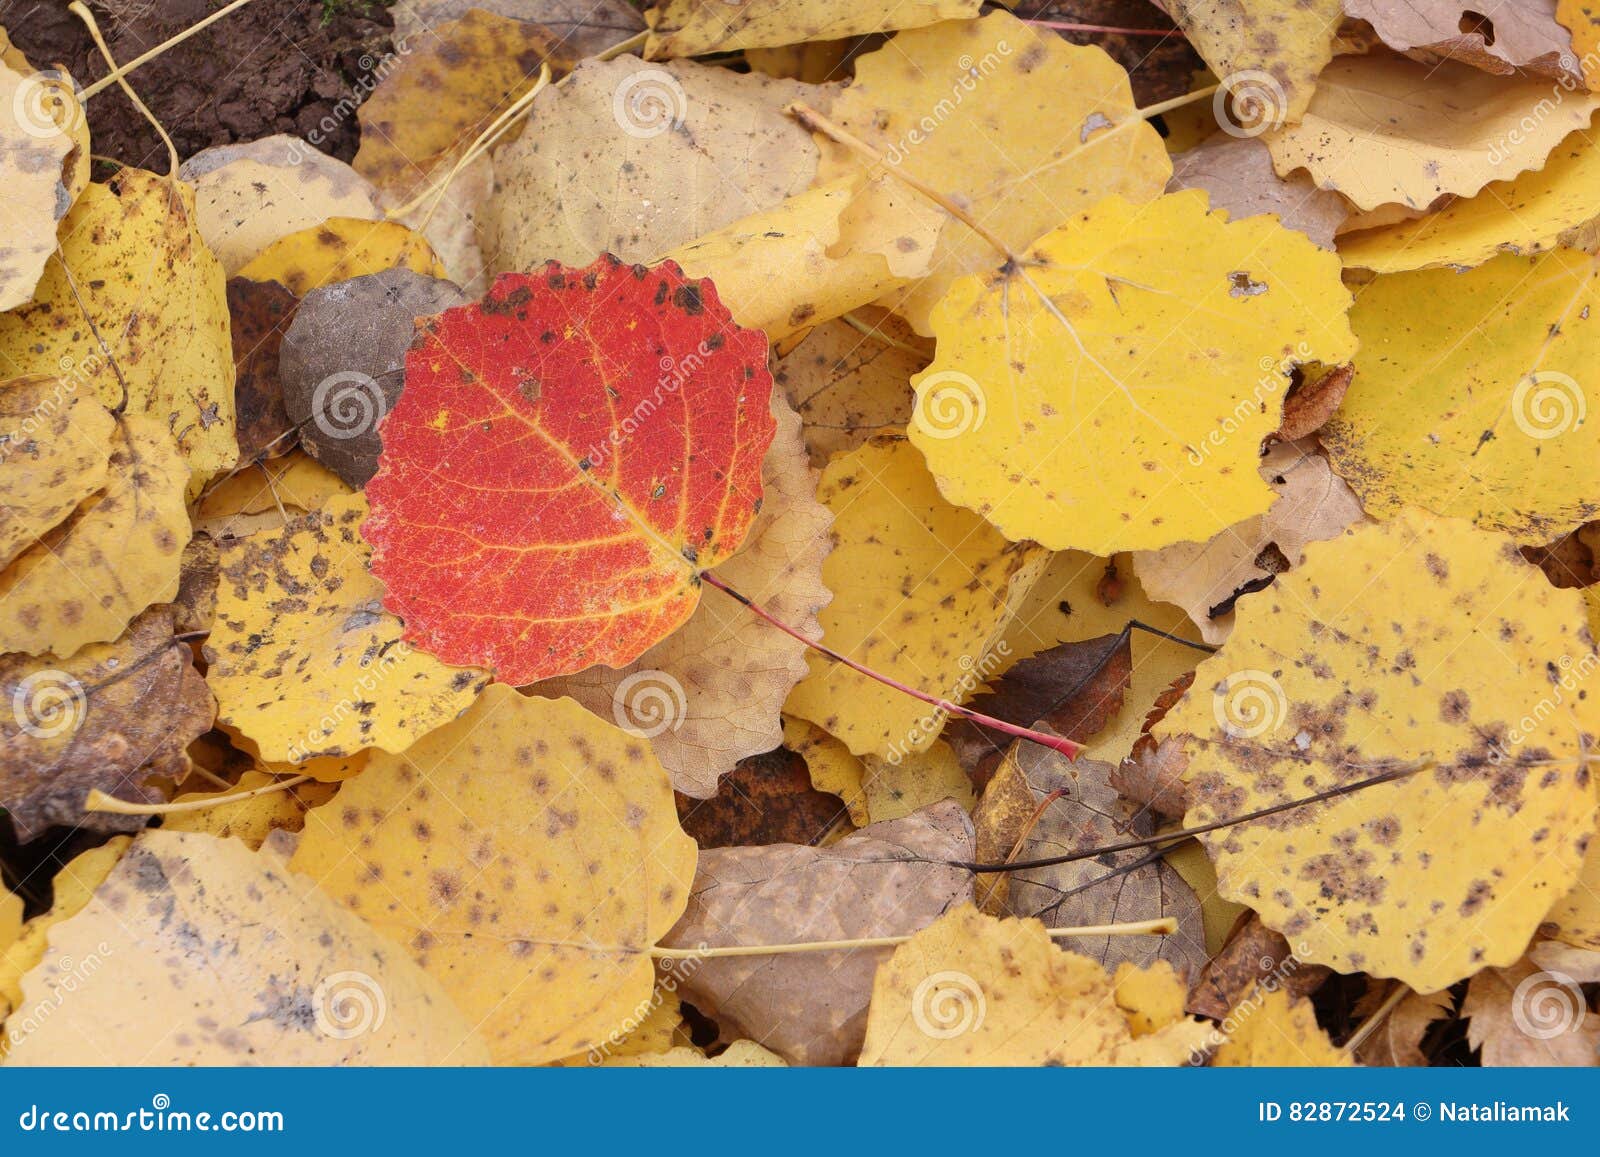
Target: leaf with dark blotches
{"x":306,"y":983}
{"x":260,"y":313}
{"x":569,"y":453}
{"x":766,"y":799}
{"x":111,"y":717}
{"x":887,"y":879}
{"x":343,"y":362}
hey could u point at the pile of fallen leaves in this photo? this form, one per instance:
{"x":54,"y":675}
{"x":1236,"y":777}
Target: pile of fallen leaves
{"x":801,"y":533}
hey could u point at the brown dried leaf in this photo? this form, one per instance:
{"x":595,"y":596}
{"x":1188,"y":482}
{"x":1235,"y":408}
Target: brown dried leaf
{"x":811,"y":1007}
{"x":111,"y":717}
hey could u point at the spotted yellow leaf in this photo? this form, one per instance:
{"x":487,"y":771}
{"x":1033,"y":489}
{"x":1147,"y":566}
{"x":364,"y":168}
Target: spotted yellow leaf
{"x":1111,"y":390}
{"x":960,"y":105}
{"x":1384,"y":130}
{"x":118,"y":552}
{"x":305,"y":662}
{"x":971,"y":989}
{"x":1527,"y":214}
{"x":1472,"y":395}
{"x":1418,"y":644}
{"x":133,"y":273}
{"x":528,"y":855}
{"x":1270,"y":1029}
{"x":134,"y":978}
{"x":931,"y":586}
{"x":338,"y":249}
{"x":55,"y":454}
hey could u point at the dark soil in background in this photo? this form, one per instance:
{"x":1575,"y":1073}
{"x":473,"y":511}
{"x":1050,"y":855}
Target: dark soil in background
{"x":274,"y":66}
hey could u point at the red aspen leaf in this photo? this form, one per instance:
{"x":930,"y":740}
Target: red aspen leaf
{"x":568,"y":454}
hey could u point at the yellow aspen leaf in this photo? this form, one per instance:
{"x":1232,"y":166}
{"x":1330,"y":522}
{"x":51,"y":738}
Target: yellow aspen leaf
{"x":815,"y":62}
{"x":445,"y":90}
{"x":306,"y":982}
{"x":1386,"y":130}
{"x":830,"y":764}
{"x":118,"y":552}
{"x":10,"y":920}
{"x":1274,"y":1030}
{"x":709,"y":694}
{"x":1582,"y":19}
{"x":249,"y":820}
{"x":1267,"y":53}
{"x":528,"y":855}
{"x":74,"y":885}
{"x":1417,"y":643}
{"x":695,"y":27}
{"x":267,"y":495}
{"x":897,"y":787}
{"x":655,"y":1034}
{"x":305,"y":662}
{"x":337,"y":250}
{"x":634,"y":159}
{"x":1527,"y":214}
{"x":251,"y":194}
{"x":971,"y":989}
{"x":960,"y":106}
{"x":133,"y":270}
{"x":932,"y":586}
{"x":784,"y":270}
{"x":1313,"y":504}
{"x":55,"y":454}
{"x":1151,"y":997}
{"x":33,"y":155}
{"x":1471,"y":395}
{"x":1575,"y":918}
{"x":1110,"y":391}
